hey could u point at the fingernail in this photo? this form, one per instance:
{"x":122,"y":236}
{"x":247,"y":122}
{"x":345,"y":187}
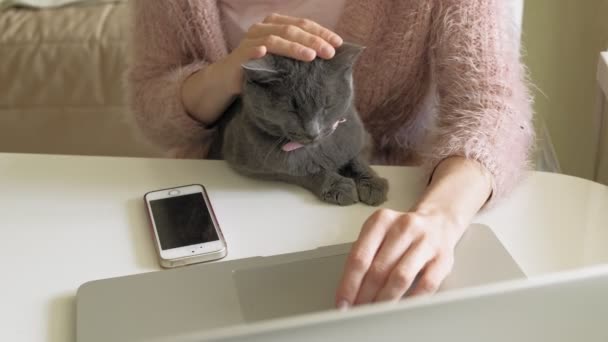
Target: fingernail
{"x":328,"y":52}
{"x":308,"y":54}
{"x":343,"y":305}
{"x":336,"y":41}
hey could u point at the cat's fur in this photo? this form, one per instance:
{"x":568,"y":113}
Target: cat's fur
{"x":287,"y":100}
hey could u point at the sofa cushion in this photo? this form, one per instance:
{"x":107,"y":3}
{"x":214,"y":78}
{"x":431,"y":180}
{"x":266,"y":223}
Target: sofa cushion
{"x":61,"y":72}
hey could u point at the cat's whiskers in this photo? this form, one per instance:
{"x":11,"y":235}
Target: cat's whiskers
{"x":264,"y":114}
{"x":274,"y":146}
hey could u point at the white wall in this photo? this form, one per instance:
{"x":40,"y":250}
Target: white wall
{"x":562,"y":40}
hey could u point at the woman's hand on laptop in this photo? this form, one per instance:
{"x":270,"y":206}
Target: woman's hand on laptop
{"x":393,"y":249}
{"x":412,"y":252}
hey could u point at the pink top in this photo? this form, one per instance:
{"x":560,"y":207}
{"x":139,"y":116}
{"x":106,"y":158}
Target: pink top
{"x":239,"y":15}
{"x":438,"y":78}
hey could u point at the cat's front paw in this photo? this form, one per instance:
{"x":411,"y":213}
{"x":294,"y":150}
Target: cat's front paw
{"x":372,"y":191}
{"x":341,"y":191}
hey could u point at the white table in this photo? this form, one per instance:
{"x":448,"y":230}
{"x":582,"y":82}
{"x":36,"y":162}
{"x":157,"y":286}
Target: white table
{"x":66,"y":220}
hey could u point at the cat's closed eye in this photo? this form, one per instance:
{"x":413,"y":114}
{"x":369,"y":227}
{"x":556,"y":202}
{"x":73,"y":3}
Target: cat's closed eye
{"x":329,"y":108}
{"x":329,"y":104}
{"x":294,"y":105}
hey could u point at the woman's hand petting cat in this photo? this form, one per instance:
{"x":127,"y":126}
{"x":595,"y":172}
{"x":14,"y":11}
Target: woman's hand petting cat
{"x":397,"y":252}
{"x":297,"y":38}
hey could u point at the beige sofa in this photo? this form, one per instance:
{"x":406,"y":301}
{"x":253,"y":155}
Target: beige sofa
{"x":61,"y":74}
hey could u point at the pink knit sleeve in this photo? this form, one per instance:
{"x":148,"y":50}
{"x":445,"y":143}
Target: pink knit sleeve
{"x":485,"y":109}
{"x":166,"y":48}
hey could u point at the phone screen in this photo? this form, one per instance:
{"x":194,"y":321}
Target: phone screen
{"x":183,"y":221}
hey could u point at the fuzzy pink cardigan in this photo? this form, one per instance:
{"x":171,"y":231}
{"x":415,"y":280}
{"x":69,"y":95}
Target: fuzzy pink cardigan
{"x":438,"y":78}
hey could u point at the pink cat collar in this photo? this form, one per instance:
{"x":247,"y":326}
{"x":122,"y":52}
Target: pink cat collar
{"x":294,"y":145}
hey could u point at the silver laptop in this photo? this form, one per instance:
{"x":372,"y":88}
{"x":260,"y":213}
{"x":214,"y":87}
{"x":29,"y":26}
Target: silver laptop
{"x":207,"y":297}
{"x":559,"y":307}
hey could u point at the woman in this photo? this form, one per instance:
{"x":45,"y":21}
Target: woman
{"x":440,"y":84}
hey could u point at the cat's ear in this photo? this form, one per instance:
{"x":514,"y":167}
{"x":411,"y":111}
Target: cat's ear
{"x":346,"y":55}
{"x":261,"y":70}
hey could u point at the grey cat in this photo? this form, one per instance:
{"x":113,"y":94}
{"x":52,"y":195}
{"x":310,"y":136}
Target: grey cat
{"x":296,"y":122}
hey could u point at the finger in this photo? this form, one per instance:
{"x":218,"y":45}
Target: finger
{"x":361,"y":255}
{"x":308,"y":26}
{"x":432,"y":276}
{"x":405,"y":272}
{"x":254,"y":52}
{"x":397,"y":241}
{"x":280,"y":46}
{"x":295,"y":34}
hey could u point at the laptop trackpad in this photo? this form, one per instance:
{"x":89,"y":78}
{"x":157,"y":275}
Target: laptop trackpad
{"x":289,"y":289}
{"x":285,"y":289}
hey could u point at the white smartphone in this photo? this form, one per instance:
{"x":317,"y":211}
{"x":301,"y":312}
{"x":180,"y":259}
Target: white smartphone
{"x":184,"y":226}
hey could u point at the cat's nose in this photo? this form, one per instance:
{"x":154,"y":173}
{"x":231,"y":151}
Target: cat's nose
{"x":313,"y":131}
{"x":313,"y":138}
